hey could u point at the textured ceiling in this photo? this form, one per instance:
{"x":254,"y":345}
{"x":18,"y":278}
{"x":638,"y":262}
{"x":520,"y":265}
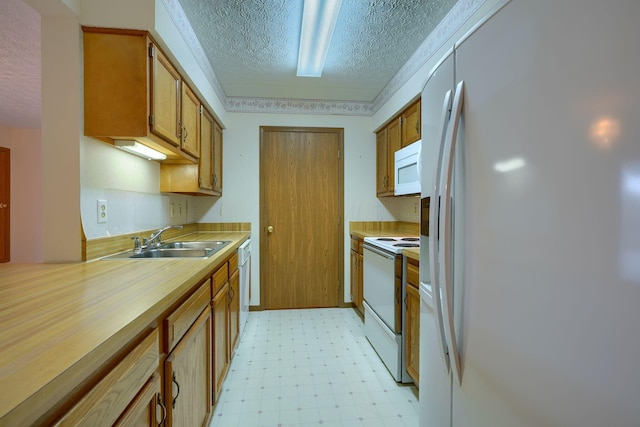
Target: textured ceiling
{"x":252,"y":45}
{"x":19,"y":65}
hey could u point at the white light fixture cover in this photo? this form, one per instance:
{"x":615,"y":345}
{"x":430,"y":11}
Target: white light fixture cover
{"x":318,"y":22}
{"x":134,"y":147}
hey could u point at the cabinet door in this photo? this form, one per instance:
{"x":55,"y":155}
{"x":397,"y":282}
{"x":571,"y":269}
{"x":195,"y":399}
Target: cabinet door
{"x":165,"y":98}
{"x":360,"y":285}
{"x":220,"y":338}
{"x":205,"y":165}
{"x":381,"y":161}
{"x":217,"y":158}
{"x":234,"y":311}
{"x":190,"y":124}
{"x":411,"y":124}
{"x":110,"y":398}
{"x":393,"y":145}
{"x":188,"y":376}
{"x":354,"y":278}
{"x":147,"y":410}
{"x":412,"y":333}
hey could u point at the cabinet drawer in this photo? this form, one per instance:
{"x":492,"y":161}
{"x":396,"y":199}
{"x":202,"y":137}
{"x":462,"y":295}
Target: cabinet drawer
{"x":220,"y":277}
{"x":179,"y":322}
{"x":413,"y":273}
{"x":355,"y":245}
{"x":233,"y":263}
{"x":112,"y":395}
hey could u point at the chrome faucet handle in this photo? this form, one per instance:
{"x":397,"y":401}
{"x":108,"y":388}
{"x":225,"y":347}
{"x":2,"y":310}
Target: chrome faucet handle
{"x":137,"y":247}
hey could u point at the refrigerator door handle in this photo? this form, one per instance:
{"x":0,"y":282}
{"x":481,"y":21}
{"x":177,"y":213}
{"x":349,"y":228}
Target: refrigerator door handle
{"x":434,"y":210}
{"x":445,"y":232}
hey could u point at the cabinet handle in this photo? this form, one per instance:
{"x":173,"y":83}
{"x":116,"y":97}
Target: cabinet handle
{"x":173,"y":405}
{"x":164,"y":410}
{"x":185,"y":133}
{"x":180,"y":127}
{"x":417,"y":126}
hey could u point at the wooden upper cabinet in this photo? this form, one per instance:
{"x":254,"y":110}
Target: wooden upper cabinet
{"x":381,"y":162}
{"x":387,"y":143}
{"x":204,"y":178}
{"x":165,"y":98}
{"x":205,"y":166}
{"x":217,"y":159}
{"x":401,"y":131}
{"x":131,"y":91}
{"x":411,"y":129}
{"x":190,"y":123}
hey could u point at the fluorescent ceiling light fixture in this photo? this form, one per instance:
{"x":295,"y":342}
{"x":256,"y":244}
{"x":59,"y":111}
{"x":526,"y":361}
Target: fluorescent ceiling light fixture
{"x":509,"y":165}
{"x":134,"y":147}
{"x":318,"y":22}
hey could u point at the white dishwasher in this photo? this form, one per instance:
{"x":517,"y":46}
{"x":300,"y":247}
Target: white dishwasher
{"x":244,"y":265}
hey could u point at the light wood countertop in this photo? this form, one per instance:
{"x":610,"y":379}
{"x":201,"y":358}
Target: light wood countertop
{"x":413,"y":253}
{"x":61,"y":322}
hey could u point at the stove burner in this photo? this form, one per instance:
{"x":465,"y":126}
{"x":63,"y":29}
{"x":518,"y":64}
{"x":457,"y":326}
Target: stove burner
{"x":407,"y":245}
{"x":386,"y":239}
{"x":410,"y":239}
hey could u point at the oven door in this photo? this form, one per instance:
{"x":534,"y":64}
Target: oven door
{"x":381,"y":292}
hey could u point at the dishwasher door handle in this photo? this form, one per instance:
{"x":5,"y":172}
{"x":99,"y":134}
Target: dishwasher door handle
{"x":378,"y":252}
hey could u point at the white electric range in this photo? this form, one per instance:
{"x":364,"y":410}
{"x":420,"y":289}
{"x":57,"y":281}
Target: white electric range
{"x":384,"y":293}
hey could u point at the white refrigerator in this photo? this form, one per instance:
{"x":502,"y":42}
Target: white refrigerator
{"x":530,"y":310}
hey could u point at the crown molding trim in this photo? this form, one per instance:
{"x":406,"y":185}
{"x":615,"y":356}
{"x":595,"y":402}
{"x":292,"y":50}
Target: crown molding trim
{"x":456,"y":17}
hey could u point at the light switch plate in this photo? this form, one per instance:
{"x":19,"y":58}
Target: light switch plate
{"x":102,"y":211}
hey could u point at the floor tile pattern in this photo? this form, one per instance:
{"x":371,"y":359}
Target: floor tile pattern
{"x":311,"y":368}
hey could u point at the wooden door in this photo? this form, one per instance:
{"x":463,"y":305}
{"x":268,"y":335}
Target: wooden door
{"x":5,"y":179}
{"x":301,"y":190}
{"x":188,"y":376}
{"x":165,"y":98}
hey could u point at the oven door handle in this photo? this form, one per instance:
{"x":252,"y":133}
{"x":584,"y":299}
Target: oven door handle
{"x":379,"y":252}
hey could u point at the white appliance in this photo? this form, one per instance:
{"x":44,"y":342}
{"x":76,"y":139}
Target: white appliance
{"x":407,"y":169}
{"x":384,"y":294}
{"x":244,"y":265}
{"x":535,"y":220}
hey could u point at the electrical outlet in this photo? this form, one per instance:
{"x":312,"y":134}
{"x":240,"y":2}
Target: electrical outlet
{"x":102,"y":211}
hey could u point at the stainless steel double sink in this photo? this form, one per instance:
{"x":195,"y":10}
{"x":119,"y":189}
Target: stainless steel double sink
{"x":202,"y":249}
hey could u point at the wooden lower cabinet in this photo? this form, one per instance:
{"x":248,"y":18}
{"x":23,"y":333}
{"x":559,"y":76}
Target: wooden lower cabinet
{"x":357,"y":282}
{"x":148,"y":409}
{"x":116,"y":394}
{"x":412,"y":321}
{"x":234,"y":311}
{"x":221,"y":354}
{"x":187,"y":376}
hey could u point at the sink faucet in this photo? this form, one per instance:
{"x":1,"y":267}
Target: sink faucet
{"x":156,"y":238}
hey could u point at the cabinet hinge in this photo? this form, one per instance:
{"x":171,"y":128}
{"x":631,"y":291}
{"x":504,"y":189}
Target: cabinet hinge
{"x":151,"y":120}
{"x":150,"y":50}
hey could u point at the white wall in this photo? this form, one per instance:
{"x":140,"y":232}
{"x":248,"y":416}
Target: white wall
{"x":131,"y":187}
{"x":25,"y":204}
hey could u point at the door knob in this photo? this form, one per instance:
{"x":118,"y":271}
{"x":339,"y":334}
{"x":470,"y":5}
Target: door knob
{"x":270,"y":229}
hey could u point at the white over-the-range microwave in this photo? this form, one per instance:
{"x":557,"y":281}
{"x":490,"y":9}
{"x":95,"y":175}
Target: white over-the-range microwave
{"x":407,"y":169}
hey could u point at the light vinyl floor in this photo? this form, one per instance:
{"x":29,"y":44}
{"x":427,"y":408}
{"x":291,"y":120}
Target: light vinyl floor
{"x":311,"y":367}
